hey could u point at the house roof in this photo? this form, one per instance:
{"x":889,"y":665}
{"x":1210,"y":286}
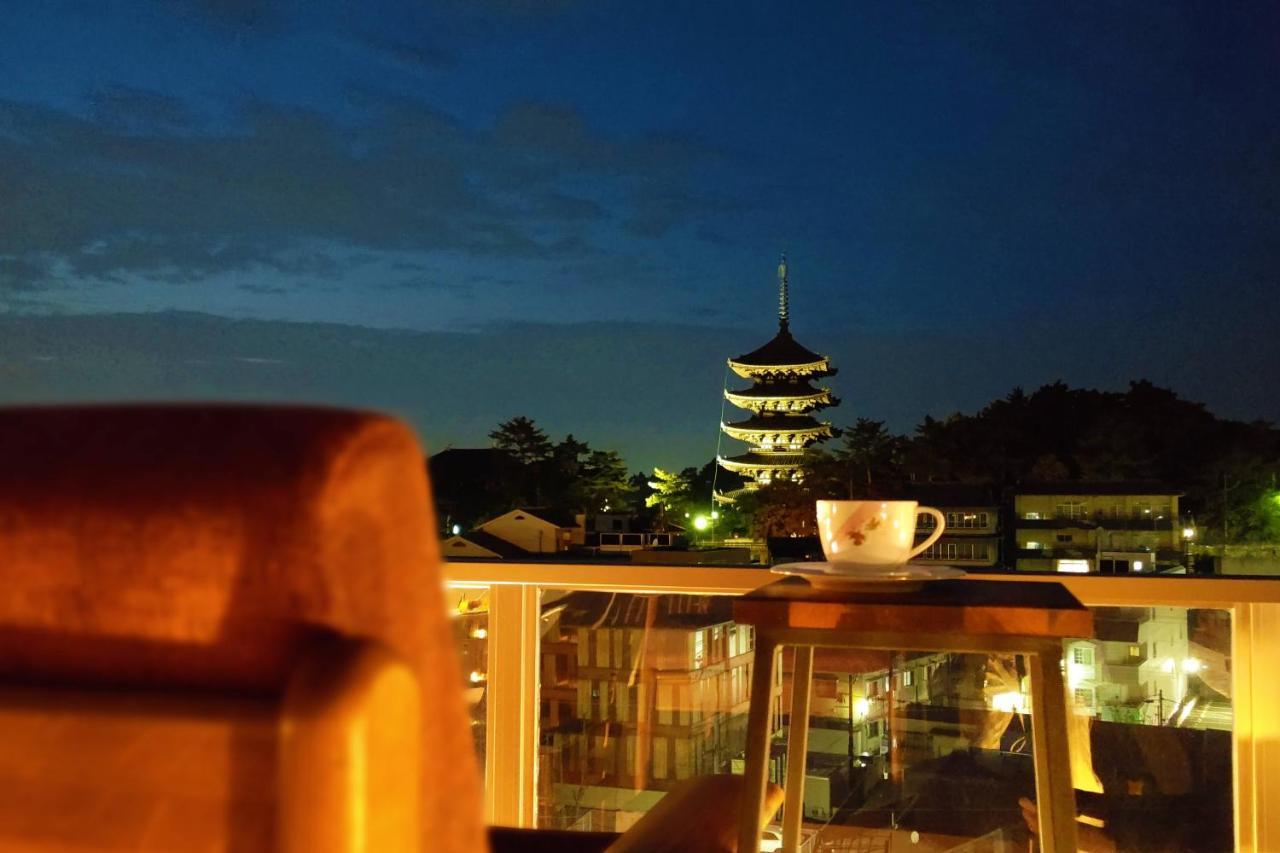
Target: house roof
{"x":551,"y":515}
{"x":468,"y":461}
{"x":496,"y":544}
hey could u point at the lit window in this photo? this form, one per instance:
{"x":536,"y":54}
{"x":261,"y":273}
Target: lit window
{"x":1076,"y":567}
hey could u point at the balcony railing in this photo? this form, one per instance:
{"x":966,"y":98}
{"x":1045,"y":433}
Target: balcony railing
{"x":1089,"y":522}
{"x":512,"y":706}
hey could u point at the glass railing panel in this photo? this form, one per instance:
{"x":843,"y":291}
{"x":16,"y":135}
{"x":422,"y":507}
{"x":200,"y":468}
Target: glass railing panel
{"x":469,"y":612}
{"x":915,"y":750}
{"x":1152,"y":716}
{"x":638,"y":692}
{"x":641,"y":691}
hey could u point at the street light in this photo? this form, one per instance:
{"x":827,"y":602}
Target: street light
{"x":1188,"y":533}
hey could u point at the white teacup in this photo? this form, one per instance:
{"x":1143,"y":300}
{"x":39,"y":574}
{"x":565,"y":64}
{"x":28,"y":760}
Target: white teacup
{"x":873,"y":533}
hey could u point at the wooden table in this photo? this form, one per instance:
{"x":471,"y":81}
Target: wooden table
{"x":1007,"y":617}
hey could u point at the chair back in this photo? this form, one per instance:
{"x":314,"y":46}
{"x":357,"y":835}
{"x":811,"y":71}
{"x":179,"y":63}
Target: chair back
{"x":169,"y":577}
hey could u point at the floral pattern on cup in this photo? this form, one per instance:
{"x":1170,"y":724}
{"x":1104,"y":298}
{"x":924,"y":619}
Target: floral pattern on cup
{"x":855,"y":527}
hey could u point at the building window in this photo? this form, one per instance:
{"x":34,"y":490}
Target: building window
{"x":1135,"y":651}
{"x":1031,"y":516}
{"x":1072,"y":510}
{"x":925,"y":520}
{"x":1083,"y":696}
{"x":1034,"y":546}
{"x":659,"y":758}
{"x":1065,"y":537}
{"x":965,"y":520}
{"x":906,"y":678}
{"x":1082,"y":655}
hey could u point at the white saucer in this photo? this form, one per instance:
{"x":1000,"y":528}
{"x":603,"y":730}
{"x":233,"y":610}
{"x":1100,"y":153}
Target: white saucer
{"x":890,"y":578}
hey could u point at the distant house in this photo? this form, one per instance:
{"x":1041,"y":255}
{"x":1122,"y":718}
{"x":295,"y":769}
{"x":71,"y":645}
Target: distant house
{"x":518,"y":534}
{"x":539,"y":530}
{"x":623,"y":531}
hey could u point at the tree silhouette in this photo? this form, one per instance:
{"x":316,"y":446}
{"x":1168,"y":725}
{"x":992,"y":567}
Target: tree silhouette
{"x":522,"y":438}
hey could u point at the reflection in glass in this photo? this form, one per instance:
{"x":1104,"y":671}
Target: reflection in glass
{"x":638,"y":693}
{"x":469,"y":609}
{"x":907,"y":750}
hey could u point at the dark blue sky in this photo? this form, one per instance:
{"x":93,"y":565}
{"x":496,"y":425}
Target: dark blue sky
{"x":972,"y":196}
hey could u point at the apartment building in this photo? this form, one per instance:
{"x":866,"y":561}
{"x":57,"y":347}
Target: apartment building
{"x":1107,"y":527}
{"x":972,"y":534}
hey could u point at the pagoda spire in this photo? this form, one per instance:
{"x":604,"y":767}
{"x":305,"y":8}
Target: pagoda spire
{"x":782,"y":292}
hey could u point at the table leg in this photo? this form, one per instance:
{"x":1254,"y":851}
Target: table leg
{"x":757,"y":770}
{"x":1055,"y":797}
{"x":797,"y":748}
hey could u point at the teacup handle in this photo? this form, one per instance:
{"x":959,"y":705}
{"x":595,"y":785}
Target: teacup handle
{"x":937,"y":531}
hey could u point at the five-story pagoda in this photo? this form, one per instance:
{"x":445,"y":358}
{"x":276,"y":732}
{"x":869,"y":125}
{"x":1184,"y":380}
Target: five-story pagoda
{"x":781,"y":402}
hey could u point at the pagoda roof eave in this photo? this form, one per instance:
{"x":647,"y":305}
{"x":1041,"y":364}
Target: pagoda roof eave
{"x":804,"y":426}
{"x":755,"y":461}
{"x":776,"y":393}
{"x":813,"y":368}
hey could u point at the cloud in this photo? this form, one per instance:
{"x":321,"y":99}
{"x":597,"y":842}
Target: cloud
{"x":416,"y":57}
{"x":135,"y":188}
{"x":238,"y":14}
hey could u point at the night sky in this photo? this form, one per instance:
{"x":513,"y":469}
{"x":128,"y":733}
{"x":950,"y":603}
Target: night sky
{"x":462,"y":211}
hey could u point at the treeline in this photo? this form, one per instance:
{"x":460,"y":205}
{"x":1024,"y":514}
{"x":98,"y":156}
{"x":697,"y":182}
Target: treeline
{"x":567,"y":474}
{"x":1227,"y":469}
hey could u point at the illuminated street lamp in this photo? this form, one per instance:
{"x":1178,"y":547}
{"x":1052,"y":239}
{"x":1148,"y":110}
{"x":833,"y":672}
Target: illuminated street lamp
{"x":700,"y":522}
{"x":1188,"y":533}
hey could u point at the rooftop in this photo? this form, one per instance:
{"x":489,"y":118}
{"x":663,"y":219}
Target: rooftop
{"x":1097,"y":487}
{"x":783,"y":350}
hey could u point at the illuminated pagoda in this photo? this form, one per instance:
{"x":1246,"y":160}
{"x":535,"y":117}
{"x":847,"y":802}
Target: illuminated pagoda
{"x":781,"y":402}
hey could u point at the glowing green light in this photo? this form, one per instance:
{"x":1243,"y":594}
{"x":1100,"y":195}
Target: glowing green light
{"x":700,"y":522}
